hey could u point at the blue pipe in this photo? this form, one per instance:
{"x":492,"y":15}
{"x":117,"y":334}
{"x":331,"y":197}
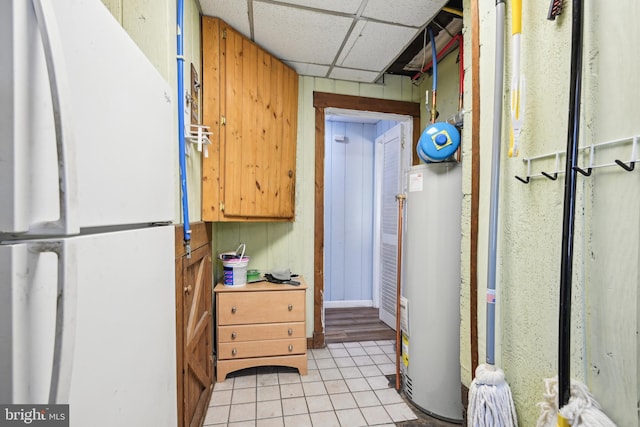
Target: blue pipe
{"x":434,"y":64}
{"x":183,"y":163}
{"x":434,"y":60}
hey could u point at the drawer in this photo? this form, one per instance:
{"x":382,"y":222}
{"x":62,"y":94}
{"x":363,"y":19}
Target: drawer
{"x":265,"y":331}
{"x":238,"y":308}
{"x":248,"y":349}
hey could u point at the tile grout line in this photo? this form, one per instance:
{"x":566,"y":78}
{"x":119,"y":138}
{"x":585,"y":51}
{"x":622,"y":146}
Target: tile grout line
{"x":326,"y":351}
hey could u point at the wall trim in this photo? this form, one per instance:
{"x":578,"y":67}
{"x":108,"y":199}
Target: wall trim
{"x":347,"y":304}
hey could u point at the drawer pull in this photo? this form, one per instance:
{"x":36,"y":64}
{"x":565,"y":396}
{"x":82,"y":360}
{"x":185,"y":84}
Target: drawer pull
{"x":233,"y":335}
{"x":290,"y":347}
{"x":234,"y":352}
{"x":290,"y":307}
{"x":290,"y":331}
{"x":234,"y":309}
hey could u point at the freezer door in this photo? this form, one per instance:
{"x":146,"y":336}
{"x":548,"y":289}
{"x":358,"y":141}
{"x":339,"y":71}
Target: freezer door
{"x":121,"y":370}
{"x":86,"y":120}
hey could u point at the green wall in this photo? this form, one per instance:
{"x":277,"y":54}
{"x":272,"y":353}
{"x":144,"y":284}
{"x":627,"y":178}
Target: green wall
{"x":604,"y":345}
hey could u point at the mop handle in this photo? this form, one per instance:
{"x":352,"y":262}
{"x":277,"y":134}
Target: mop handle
{"x":568,"y":223}
{"x":495,"y":184}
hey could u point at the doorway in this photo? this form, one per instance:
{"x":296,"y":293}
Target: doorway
{"x":365,"y":153}
{"x":355,"y":105}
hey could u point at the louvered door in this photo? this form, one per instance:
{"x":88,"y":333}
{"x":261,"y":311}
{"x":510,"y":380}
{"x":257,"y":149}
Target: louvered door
{"x":391,"y":186}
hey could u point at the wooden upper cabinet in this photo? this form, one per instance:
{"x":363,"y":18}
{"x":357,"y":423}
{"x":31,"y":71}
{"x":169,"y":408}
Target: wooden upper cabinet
{"x":250,"y":101}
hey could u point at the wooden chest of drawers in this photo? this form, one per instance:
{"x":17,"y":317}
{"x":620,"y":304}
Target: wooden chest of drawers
{"x":260,"y":324}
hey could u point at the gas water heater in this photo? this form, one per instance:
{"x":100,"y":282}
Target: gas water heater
{"x":431,"y":289}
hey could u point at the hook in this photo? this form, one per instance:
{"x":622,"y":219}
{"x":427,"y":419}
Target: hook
{"x":555,"y":174}
{"x":582,"y":171}
{"x":590,"y":168}
{"x":632,"y":162}
{"x":632,"y":165}
{"x":528,"y":179}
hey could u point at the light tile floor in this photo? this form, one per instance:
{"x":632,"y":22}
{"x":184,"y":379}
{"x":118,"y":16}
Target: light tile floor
{"x":345,"y":387}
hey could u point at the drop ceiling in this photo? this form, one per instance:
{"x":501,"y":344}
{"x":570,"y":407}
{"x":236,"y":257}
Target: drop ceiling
{"x":357,"y":40}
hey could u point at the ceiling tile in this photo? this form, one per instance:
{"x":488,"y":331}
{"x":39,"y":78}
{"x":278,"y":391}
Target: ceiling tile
{"x":351,"y":41}
{"x":416,"y":13}
{"x":375,"y":45}
{"x":307,"y":69}
{"x":234,"y":13}
{"x":299,"y":35}
{"x":355,"y":75}
{"x":342,"y":6}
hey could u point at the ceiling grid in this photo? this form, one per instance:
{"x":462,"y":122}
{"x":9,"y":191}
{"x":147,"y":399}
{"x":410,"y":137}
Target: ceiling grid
{"x":340,"y":39}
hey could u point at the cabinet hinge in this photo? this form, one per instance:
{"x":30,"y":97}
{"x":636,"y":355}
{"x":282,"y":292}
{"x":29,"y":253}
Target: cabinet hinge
{"x":223,"y":120}
{"x":224,"y":33}
{"x":221,"y":206}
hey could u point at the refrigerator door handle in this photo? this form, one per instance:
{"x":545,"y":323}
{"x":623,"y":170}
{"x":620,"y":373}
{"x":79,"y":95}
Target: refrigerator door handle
{"x":67,"y":222}
{"x":66,"y":307}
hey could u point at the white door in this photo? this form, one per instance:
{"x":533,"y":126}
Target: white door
{"x":87,"y":123}
{"x":118,"y":340}
{"x":390,"y":147}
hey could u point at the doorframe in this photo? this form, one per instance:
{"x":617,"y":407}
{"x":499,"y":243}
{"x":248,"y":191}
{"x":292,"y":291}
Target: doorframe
{"x":322,"y":100}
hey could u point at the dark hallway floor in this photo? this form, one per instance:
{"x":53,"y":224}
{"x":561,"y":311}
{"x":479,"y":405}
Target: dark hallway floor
{"x":355,"y":324}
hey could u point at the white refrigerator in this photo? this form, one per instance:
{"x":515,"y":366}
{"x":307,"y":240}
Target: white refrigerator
{"x":87,"y":196}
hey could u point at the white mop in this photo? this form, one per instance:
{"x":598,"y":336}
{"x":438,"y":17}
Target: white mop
{"x":581,"y":411}
{"x":490,"y":400}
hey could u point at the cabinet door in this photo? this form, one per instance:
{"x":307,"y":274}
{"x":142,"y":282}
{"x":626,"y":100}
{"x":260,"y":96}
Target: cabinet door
{"x":258,"y":143}
{"x":194,"y":331}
